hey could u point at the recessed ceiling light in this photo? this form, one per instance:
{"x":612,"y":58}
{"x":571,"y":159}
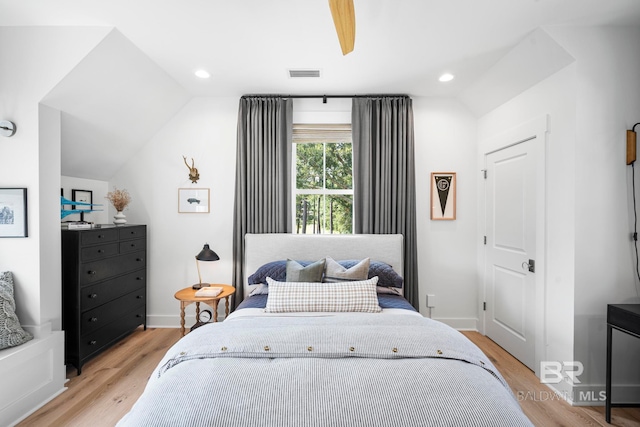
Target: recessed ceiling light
{"x":203,"y":74}
{"x":446,"y":77}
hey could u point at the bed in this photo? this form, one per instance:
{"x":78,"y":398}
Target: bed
{"x":359,"y":363}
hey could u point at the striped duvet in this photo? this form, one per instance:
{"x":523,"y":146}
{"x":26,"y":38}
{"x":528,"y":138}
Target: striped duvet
{"x":353,"y":369}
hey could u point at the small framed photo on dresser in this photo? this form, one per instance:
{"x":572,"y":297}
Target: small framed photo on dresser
{"x":13,"y":212}
{"x":84,"y":196}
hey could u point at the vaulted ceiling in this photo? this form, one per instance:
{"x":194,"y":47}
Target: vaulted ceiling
{"x":248,"y":46}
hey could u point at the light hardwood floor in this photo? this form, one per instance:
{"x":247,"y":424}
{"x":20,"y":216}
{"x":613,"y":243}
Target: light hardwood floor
{"x":111,"y":383}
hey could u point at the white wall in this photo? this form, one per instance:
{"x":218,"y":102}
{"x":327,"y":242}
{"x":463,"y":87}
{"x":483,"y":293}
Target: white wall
{"x":607,"y":104}
{"x":50,"y":238}
{"x":40,"y":57}
{"x":555,"y":97}
{"x":205,"y":130}
{"x":445,"y":140}
{"x":589,"y":255}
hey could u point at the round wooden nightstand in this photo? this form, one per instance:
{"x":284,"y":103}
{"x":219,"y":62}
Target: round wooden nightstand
{"x":187,"y":296}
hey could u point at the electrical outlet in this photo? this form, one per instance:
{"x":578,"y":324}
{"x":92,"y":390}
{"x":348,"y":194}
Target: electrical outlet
{"x":431,"y":301}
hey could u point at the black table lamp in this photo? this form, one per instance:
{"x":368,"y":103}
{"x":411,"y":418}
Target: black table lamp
{"x":206,"y":254}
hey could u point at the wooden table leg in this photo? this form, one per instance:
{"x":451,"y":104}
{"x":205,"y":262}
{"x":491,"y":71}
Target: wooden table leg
{"x":226,"y":307}
{"x":182,"y":318}
{"x":215,"y":310}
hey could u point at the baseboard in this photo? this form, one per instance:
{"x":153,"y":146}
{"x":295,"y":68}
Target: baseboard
{"x":32,"y":374}
{"x":461,"y":324}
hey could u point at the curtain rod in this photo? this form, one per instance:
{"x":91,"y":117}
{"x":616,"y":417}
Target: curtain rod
{"x":325,"y":97}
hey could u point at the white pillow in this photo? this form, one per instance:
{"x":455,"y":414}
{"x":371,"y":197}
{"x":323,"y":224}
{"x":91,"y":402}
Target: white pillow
{"x":261,"y":289}
{"x":286,"y":297}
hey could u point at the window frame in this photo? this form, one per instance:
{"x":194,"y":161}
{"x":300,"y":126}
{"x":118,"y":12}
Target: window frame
{"x":325,"y":133}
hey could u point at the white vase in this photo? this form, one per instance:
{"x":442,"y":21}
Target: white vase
{"x":119,"y":218}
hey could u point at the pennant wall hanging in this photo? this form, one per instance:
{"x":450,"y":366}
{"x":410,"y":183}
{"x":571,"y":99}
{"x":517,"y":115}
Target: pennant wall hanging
{"x":443,"y":195}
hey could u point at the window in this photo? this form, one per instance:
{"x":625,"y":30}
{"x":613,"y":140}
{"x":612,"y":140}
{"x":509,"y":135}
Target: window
{"x":323,"y":187}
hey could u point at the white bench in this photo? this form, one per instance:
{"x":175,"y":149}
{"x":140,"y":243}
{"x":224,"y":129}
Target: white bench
{"x":32,"y":374}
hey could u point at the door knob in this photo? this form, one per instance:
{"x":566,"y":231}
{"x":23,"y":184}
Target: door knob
{"x":531,"y":265}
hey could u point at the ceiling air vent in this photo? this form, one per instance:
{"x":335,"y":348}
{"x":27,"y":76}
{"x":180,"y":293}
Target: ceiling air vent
{"x":304,"y":73}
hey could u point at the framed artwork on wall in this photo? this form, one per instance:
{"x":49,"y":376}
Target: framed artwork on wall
{"x":193,"y":200}
{"x":443,"y":195}
{"x":13,"y":212}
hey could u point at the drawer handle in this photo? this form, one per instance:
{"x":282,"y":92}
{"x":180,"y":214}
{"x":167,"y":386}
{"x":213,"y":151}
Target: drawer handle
{"x":139,"y":278}
{"x":138,"y":315}
{"x":133,"y":245}
{"x":100,"y":251}
{"x":139,"y":296}
{"x":139,"y":259}
{"x":93,"y":319}
{"x":93,"y":296}
{"x":91,"y":272}
{"x":93,"y":342}
{"x":100,"y":236}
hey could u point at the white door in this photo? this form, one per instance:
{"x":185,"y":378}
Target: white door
{"x":511,"y":249}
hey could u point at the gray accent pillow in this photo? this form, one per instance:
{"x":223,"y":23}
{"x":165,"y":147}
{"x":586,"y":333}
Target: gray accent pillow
{"x":11,"y":333}
{"x":297,"y":272}
{"x":335,"y":272}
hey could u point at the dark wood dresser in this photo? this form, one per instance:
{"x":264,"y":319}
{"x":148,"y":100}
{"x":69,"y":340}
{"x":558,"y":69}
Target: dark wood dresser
{"x":104,"y":288}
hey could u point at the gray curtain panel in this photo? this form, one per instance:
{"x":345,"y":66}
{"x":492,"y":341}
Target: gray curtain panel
{"x":263,"y":174}
{"x":384,"y":176}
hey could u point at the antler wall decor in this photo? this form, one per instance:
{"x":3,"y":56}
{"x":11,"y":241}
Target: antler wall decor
{"x":194,"y":176}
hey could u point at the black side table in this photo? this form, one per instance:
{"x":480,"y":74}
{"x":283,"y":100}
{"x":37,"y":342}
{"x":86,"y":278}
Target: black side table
{"x":625,"y":318}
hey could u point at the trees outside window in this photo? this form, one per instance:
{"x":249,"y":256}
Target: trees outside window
{"x":323,"y":179}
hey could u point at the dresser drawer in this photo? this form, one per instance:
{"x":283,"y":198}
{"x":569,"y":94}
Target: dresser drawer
{"x":98,"y":252}
{"x":97,"y":318}
{"x":96,"y":295}
{"x":94,"y":341}
{"x":96,"y":236}
{"x":127,"y":233}
{"x":92,"y":272}
{"x":132,"y":245}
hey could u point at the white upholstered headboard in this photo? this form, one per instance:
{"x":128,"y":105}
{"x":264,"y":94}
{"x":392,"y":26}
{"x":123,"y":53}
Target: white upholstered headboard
{"x":260,"y":249}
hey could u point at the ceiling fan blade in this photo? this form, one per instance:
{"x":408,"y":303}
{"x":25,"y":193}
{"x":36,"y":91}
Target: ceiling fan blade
{"x":344,"y":18}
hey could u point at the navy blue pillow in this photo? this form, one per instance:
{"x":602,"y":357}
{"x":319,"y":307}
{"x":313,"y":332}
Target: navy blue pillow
{"x":387,"y":276}
{"x":277,"y":270}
